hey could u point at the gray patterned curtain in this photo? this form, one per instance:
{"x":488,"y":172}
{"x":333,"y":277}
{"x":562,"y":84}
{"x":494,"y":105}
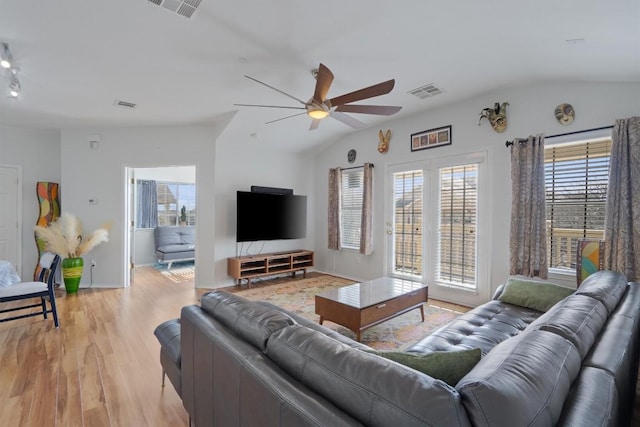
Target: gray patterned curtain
{"x":335,"y":176}
{"x":622,"y":218}
{"x":528,"y":235}
{"x":147,"y":209}
{"x":366,"y":244}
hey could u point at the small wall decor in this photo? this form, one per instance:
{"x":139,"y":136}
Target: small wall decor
{"x":431,"y":138}
{"x":383,"y":145}
{"x":497,"y":116}
{"x":565,"y":114}
{"x":351,"y":156}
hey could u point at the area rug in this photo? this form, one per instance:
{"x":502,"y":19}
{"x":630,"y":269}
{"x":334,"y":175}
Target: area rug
{"x":399,"y":333}
{"x":180,"y":271}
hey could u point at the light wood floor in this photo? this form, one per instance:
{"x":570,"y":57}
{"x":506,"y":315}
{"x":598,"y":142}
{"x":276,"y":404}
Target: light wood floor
{"x":101,"y":367}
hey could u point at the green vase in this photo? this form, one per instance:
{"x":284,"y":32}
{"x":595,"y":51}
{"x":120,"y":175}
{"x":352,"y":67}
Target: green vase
{"x":71,"y":273}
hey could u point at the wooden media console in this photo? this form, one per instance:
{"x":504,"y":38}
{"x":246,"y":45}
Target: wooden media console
{"x":251,"y":266}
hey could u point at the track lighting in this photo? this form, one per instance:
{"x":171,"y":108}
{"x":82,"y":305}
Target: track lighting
{"x":6,"y":58}
{"x":14,"y":86}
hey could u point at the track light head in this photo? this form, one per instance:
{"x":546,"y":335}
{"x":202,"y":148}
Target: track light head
{"x":14,"y":87}
{"x":6,"y":59}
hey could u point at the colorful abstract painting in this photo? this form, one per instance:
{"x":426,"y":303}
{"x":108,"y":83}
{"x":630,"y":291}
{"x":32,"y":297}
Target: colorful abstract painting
{"x":590,"y":258}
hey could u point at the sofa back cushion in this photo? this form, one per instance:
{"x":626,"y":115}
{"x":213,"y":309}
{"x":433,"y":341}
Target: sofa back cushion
{"x":175,"y":235}
{"x":250,"y":320}
{"x":375,"y":391}
{"x":523,"y":381}
{"x":606,"y":286}
{"x":578,"y":318}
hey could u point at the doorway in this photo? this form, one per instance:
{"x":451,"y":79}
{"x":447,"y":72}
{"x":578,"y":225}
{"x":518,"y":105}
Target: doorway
{"x":174,"y":190}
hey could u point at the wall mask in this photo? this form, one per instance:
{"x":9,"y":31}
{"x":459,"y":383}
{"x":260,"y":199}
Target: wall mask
{"x":497,"y":116}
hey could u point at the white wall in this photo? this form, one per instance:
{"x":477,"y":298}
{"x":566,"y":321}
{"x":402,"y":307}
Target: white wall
{"x":531,"y":111}
{"x":241,"y":164}
{"x":38,"y":154}
{"x":100,"y":174}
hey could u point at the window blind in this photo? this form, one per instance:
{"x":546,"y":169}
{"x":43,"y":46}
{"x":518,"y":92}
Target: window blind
{"x":407,"y":194}
{"x":458,"y":216}
{"x":576,"y":181}
{"x":351,"y":207}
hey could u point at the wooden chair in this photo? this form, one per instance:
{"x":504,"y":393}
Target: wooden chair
{"x":43,"y":288}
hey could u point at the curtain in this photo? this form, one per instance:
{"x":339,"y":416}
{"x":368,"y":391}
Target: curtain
{"x":528,"y":233}
{"x":622,"y":217}
{"x":147,"y":209}
{"x":335,"y":175}
{"x":366,"y":245}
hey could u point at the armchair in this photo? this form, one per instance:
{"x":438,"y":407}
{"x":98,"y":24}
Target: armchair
{"x":43,"y":288}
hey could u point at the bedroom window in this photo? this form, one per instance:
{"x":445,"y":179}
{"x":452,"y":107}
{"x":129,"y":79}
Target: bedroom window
{"x":351,"y":207}
{"x":458,"y":216}
{"x":576,"y":181}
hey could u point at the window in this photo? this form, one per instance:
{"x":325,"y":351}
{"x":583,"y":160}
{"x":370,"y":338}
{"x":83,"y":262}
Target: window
{"x":176,"y":203}
{"x":351,"y":207}
{"x":576,"y":179}
{"x":458,"y":216}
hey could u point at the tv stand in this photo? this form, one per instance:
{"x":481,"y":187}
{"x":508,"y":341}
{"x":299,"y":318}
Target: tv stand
{"x":269,"y":264}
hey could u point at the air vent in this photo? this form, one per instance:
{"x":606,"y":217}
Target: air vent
{"x":185,"y":8}
{"x":426,"y":91}
{"x":124,"y":104}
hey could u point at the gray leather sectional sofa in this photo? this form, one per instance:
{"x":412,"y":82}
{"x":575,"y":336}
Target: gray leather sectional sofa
{"x":246,"y":363}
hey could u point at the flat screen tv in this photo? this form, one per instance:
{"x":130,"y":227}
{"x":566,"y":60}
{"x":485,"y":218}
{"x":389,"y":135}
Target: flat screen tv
{"x":265,"y":216}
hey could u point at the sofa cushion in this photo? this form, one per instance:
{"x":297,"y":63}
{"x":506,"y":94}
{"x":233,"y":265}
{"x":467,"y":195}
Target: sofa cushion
{"x":523,"y":381}
{"x":483,"y":327}
{"x":175,"y":235}
{"x":373,"y":390}
{"x":250,"y":320}
{"x":533,"y":294}
{"x":605,"y":286}
{"x":448,"y":366}
{"x":578,"y":319}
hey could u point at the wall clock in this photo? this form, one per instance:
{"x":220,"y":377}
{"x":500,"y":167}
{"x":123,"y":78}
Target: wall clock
{"x":351,"y":156}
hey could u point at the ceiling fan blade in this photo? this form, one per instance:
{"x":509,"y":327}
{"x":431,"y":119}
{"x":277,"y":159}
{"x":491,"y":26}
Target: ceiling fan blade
{"x":323,"y":83}
{"x":282,"y":118}
{"x":276,"y":89}
{"x":347,"y":120}
{"x":382,"y":110}
{"x":368,"y":92}
{"x":269,"y":106}
{"x":314,"y":124}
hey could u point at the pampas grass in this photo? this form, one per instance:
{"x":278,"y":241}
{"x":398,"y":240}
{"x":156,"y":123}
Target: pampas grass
{"x":64,"y":236}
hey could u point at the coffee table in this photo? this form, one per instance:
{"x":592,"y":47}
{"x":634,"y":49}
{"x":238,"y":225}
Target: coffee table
{"x":363,"y":305}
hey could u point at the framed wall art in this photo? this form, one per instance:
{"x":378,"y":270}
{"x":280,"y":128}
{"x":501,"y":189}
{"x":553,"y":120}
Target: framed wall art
{"x":431,"y":138}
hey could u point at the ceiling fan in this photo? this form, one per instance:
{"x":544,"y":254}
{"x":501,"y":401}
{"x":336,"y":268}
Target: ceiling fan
{"x":319,"y":107}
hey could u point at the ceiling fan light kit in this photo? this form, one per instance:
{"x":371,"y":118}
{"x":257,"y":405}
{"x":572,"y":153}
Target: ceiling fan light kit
{"x":319,"y":107}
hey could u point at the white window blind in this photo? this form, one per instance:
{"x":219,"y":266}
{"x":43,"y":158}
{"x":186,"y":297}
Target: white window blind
{"x":576,"y":180}
{"x":458,"y":216}
{"x":407,"y":196}
{"x":351,"y":207}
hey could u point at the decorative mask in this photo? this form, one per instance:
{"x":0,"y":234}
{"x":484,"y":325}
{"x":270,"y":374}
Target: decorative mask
{"x":497,"y":116}
{"x":383,"y":145}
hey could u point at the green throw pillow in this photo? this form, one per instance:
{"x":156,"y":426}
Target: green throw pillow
{"x":533,"y":294}
{"x":448,"y":366}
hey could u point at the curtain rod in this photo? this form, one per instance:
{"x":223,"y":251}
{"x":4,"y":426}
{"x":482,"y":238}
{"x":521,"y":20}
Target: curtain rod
{"x":508,"y":143}
{"x":354,"y":167}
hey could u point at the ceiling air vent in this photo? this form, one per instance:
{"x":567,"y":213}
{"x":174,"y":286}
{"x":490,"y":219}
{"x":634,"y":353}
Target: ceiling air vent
{"x":185,"y":8}
{"x":124,"y":104}
{"x":426,"y":91}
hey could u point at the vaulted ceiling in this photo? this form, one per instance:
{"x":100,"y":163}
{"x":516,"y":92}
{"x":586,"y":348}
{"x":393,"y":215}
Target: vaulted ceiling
{"x":76,"y":59}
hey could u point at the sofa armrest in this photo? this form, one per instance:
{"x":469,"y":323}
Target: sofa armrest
{"x":498,"y":292}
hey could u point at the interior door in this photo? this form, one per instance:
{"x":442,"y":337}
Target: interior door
{"x":10,"y":218}
{"x":130,"y":216}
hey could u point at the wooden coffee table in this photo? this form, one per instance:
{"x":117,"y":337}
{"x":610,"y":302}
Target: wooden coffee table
{"x":363,"y":305}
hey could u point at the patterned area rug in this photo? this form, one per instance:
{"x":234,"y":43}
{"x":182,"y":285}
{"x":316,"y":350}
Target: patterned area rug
{"x":399,"y":333}
{"x":180,"y":271}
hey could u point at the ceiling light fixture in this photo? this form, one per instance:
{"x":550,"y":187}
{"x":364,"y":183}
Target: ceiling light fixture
{"x":318,"y":113}
{"x":6,"y":58}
